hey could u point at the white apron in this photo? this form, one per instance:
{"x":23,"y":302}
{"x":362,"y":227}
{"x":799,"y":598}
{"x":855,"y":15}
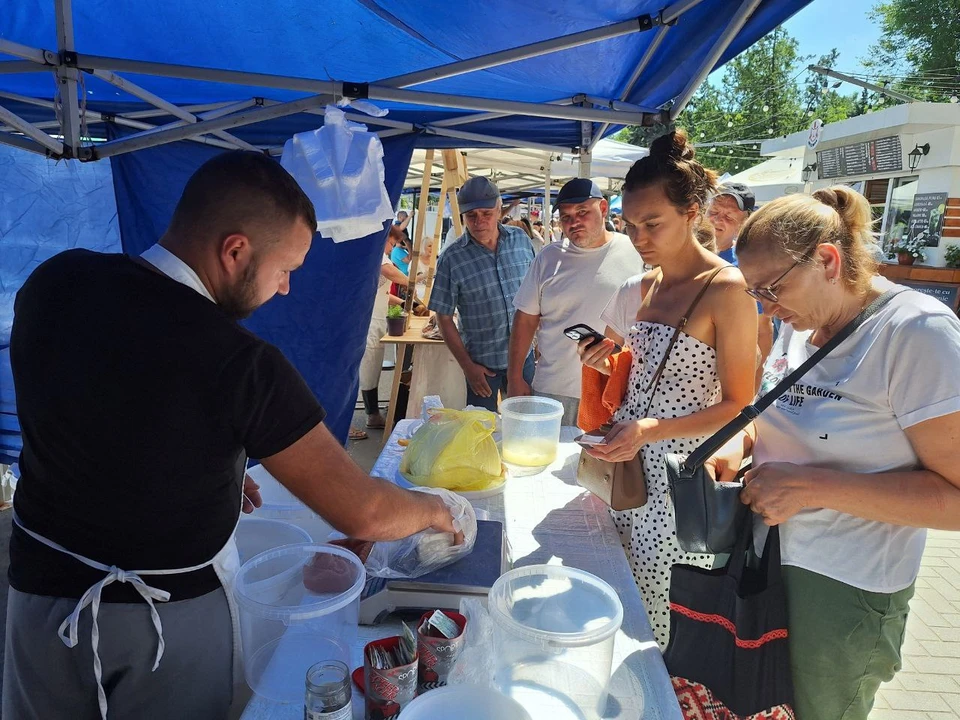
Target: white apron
{"x":225,"y":564}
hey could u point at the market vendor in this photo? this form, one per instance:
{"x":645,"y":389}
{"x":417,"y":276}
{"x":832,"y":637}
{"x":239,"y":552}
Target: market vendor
{"x":140,"y":399}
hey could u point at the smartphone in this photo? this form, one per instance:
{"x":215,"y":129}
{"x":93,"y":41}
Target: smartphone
{"x":580,"y":332}
{"x":587,"y":440}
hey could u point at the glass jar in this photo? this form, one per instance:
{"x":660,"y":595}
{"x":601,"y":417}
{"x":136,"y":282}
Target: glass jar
{"x":328,"y":692}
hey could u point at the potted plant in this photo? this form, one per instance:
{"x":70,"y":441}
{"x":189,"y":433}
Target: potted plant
{"x":951,"y":256}
{"x":396,"y":319}
{"x":908,"y":251}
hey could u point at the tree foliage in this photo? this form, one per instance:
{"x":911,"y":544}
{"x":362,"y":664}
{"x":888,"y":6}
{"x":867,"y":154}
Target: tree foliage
{"x":919,"y":48}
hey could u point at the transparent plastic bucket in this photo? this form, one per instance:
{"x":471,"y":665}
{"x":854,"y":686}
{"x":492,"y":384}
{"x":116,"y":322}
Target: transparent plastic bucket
{"x":257,"y":535}
{"x":464,"y":702}
{"x":561,"y":623}
{"x":280,"y":504}
{"x":530,"y":427}
{"x":286,"y":625}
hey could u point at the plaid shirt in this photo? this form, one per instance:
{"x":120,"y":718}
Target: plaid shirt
{"x":481,"y":285}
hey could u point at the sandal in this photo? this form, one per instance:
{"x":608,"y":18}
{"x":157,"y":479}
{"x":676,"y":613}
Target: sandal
{"x":357,"y":434}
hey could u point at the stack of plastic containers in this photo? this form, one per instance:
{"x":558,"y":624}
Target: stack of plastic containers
{"x":280,"y":504}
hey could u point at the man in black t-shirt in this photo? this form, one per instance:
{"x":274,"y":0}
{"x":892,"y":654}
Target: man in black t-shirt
{"x":140,"y":399}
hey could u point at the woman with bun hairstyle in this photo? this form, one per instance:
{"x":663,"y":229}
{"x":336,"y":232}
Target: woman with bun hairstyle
{"x":862,"y":453}
{"x":707,"y":376}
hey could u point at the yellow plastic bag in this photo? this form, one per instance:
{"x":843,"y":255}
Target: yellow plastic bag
{"x":455,"y":450}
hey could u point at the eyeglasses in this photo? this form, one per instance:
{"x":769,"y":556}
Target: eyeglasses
{"x":769,"y":293}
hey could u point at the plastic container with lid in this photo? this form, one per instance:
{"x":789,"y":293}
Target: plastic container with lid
{"x":299,"y":605}
{"x":531,"y":433}
{"x":257,"y":535}
{"x":464,"y":702}
{"x":281,"y":504}
{"x":561,"y":623}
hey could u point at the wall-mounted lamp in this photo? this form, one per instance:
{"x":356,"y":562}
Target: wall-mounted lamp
{"x":916,"y":155}
{"x":808,"y":172}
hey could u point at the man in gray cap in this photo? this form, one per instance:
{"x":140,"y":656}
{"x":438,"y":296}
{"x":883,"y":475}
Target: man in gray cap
{"x":478,"y":275}
{"x":568,"y":283}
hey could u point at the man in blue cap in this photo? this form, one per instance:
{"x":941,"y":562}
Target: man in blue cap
{"x":478,"y":275}
{"x":569,"y":282}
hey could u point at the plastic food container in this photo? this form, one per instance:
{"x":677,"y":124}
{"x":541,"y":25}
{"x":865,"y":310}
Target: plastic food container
{"x":257,"y":535}
{"x":531,"y":433}
{"x":280,"y":504}
{"x":561,"y":623}
{"x":464,"y":702}
{"x":286,"y":625}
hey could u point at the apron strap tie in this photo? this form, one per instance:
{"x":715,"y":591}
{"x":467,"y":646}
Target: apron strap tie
{"x":69,"y":628}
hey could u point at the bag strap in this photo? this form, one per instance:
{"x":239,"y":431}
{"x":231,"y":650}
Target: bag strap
{"x":655,"y":380}
{"x":751,"y":412}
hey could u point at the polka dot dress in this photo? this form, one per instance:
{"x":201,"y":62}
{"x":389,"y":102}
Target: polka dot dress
{"x":689,"y":383}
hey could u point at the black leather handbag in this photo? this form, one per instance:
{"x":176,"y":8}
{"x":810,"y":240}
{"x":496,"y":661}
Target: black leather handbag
{"x":709,"y":513}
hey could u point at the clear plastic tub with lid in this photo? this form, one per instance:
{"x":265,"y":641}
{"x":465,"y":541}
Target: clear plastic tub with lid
{"x":531,"y":433}
{"x":561,"y":623}
{"x":299,"y":605}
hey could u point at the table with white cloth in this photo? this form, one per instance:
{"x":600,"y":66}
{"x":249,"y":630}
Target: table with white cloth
{"x":548,"y":519}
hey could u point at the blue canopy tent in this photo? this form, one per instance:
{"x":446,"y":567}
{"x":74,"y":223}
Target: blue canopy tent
{"x":93,"y":79}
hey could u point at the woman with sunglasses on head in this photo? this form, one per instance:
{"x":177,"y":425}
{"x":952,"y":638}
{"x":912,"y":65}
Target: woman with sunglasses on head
{"x":693,"y":365}
{"x":859,"y":456}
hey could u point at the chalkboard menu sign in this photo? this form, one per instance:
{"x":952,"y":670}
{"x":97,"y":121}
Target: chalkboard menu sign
{"x":947,"y":293}
{"x":880,"y":155}
{"x":926,"y":218}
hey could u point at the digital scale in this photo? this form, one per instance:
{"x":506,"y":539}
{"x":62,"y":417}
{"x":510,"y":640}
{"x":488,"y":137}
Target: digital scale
{"x":471,"y":577}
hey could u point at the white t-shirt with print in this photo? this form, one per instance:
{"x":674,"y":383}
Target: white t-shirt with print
{"x":849,"y":413}
{"x":566,"y":285}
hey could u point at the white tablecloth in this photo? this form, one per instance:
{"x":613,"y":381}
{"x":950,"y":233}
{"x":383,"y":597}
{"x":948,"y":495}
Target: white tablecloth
{"x":549,"y":519}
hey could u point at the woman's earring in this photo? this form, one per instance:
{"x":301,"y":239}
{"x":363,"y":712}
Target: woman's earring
{"x":833,"y":281}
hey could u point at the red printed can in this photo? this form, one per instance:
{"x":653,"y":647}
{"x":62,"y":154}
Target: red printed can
{"x":437,"y":654}
{"x":387,"y":692}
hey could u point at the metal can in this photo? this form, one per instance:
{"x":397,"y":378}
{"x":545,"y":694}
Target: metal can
{"x":328,"y":692}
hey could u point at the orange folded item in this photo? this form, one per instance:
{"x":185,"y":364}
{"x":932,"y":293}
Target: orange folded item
{"x":601,"y":395}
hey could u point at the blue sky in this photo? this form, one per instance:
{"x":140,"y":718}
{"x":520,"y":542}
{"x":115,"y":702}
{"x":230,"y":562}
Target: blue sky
{"x":843,"y":24}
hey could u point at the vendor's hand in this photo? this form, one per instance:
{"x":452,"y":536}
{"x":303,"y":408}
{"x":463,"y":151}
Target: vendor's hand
{"x":518,"y":386}
{"x":477,"y":375}
{"x":776,"y":491}
{"x":596,"y":354}
{"x":251,"y":494}
{"x":625,"y":439}
{"x":443,"y":520}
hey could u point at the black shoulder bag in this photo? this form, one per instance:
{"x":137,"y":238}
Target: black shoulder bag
{"x":708,"y":513}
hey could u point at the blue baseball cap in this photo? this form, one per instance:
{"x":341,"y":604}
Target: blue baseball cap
{"x":578,"y":190}
{"x":478,"y":192}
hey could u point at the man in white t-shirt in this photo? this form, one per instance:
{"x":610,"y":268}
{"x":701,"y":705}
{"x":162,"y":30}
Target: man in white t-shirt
{"x":568,"y":283}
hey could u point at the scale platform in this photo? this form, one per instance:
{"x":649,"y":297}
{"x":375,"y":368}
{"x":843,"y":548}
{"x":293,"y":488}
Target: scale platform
{"x":471,"y":577}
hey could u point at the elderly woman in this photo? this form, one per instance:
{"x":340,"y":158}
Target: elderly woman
{"x":859,"y":457}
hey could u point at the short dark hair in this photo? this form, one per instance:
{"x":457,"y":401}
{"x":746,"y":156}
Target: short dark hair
{"x":238,"y":192}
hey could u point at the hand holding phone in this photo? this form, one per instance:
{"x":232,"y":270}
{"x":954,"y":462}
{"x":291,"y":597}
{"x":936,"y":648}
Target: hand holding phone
{"x":586,"y":440}
{"x":580,"y":332}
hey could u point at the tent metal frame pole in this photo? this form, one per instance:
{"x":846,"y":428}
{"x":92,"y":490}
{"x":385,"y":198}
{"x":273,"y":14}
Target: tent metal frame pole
{"x":23,"y":143}
{"x":524,"y":52}
{"x":163,"y":135}
{"x":480,"y":117}
{"x":475,"y":137}
{"x":635,"y":77}
{"x":146,"y":114}
{"x":189,"y":118}
{"x":25,"y":52}
{"x":70,"y":120}
{"x":95,"y":117}
{"x":737,"y":21}
{"x":32,"y":132}
{"x":515,"y":107}
{"x":13,"y":67}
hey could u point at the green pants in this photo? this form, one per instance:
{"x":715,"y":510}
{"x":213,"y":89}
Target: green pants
{"x":844,"y":642}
